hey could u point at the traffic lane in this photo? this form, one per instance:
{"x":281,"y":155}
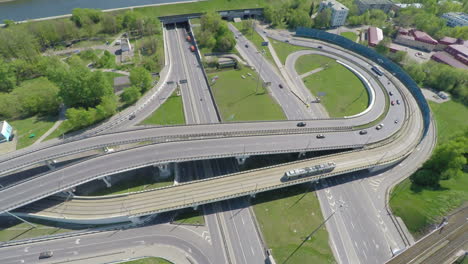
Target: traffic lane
{"x":95,"y":244}
{"x":83,"y":171}
{"x":240,"y":221}
{"x":292,"y":107}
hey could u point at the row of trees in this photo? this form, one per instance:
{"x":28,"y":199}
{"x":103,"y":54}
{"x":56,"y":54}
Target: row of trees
{"x":26,"y":40}
{"x":449,"y":160}
{"x":140,"y":82}
{"x":440,"y":77}
{"x":215,"y":34}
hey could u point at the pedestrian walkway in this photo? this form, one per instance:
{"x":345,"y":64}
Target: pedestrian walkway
{"x":54,"y":127}
{"x":310,"y":73}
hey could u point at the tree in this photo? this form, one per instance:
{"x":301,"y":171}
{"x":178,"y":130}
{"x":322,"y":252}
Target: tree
{"x":106,"y":60}
{"x":225,"y":42}
{"x":247,"y":26}
{"x":107,"y":107}
{"x":7,"y":77}
{"x":9,"y":106}
{"x":84,"y":16}
{"x":130,"y":95}
{"x":35,"y":99}
{"x":322,"y":20}
{"x":382,"y":47}
{"x":299,"y":18}
{"x":140,"y":78}
{"x":211,"y":22}
{"x":79,"y":117}
{"x":110,"y":24}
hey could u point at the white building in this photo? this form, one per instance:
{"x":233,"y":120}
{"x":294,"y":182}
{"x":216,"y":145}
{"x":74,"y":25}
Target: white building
{"x":6,"y":131}
{"x":456,"y":19}
{"x":339,"y":12}
{"x":125,"y":45}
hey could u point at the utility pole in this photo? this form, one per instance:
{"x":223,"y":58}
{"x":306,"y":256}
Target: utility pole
{"x":260,"y":70}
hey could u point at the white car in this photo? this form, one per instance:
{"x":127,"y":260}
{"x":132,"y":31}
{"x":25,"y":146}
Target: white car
{"x":380,"y":126}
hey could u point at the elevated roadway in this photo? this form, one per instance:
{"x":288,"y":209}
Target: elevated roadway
{"x":222,"y":188}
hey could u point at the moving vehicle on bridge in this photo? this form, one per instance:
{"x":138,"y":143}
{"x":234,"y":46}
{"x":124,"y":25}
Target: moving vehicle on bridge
{"x":310,"y":171}
{"x":377,"y":70}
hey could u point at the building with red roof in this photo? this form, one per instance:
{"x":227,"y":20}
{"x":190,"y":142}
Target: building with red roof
{"x":416,"y":39}
{"x":444,"y":57}
{"x":374,"y":36}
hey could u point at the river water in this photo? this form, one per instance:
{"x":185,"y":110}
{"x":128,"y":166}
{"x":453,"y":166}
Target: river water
{"x":19,"y":10}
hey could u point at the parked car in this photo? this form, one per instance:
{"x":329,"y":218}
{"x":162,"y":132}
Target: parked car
{"x":398,"y":101}
{"x":280,"y":86}
{"x":301,"y":124}
{"x":131,"y":117}
{"x":362,"y":132}
{"x":320,"y":136}
{"x":390,"y":93}
{"x":392,"y":102}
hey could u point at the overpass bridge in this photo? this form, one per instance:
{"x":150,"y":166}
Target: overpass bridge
{"x":226,"y":140}
{"x":119,"y":208}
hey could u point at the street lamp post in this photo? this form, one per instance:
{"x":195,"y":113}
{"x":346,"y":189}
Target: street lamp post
{"x":259,"y":71}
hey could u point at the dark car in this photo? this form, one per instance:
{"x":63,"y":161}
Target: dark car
{"x":46,"y":254}
{"x":362,"y":132}
{"x":280,"y":86}
{"x":390,"y":93}
{"x":246,"y":45}
{"x":301,"y":124}
{"x":131,"y":117}
{"x":398,"y":101}
{"x":287,"y":41}
{"x":319,"y":47}
{"x":320,"y":136}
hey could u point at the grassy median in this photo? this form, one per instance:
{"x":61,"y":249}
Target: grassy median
{"x":171,"y":112}
{"x":287,"y":217}
{"x":189,"y":217}
{"x":309,"y":62}
{"x":238,"y":100}
{"x":30,"y":129}
{"x":341,"y":92}
{"x":419,"y":208}
{"x":283,"y":49}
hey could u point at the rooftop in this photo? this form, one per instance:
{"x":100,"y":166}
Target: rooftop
{"x":447,"y":59}
{"x":423,"y":36}
{"x":375,"y":35}
{"x":448,"y":40}
{"x":461,"y":49}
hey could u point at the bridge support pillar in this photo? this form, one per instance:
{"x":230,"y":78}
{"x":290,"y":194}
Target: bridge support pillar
{"x":176,"y":174}
{"x":164,"y":170}
{"x":106,"y":180}
{"x":242,"y":159}
{"x":135,"y":220}
{"x":301,"y":154}
{"x":253,"y":195}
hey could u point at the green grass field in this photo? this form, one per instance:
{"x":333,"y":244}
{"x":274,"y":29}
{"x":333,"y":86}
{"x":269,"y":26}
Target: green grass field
{"x":151,"y":260}
{"x":418,"y":209}
{"x":350,"y":35}
{"x":203,"y":6}
{"x":171,"y":112}
{"x":311,"y":62}
{"x":237,"y":100}
{"x":451,"y":117}
{"x":286,"y":217}
{"x":22,"y":231}
{"x":345,"y":94}
{"x":284,"y":49}
{"x":190,"y":217}
{"x":32,"y":125}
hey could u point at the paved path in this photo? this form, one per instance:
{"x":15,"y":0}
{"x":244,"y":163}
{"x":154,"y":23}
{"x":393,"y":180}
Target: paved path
{"x":54,"y":127}
{"x":310,"y":72}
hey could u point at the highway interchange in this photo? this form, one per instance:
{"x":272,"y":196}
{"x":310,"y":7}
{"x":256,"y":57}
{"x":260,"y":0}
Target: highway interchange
{"x":208,"y":141}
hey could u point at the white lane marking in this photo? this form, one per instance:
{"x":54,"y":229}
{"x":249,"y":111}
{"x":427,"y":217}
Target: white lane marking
{"x":253,"y":252}
{"x":364,"y":254}
{"x":352,"y":224}
{"x":26,"y":249}
{"x":243,"y":222}
{"x":77,"y":241}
